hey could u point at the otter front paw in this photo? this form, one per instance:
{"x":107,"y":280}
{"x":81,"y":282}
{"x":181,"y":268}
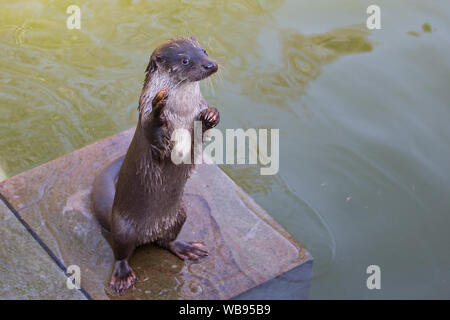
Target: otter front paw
{"x":158,"y":104}
{"x":210,"y":118}
{"x":123,"y":277}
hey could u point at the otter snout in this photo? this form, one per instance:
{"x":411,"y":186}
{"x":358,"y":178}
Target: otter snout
{"x":210,"y":66}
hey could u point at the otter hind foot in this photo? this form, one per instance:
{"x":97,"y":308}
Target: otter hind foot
{"x":123,"y":277}
{"x":188,"y":250}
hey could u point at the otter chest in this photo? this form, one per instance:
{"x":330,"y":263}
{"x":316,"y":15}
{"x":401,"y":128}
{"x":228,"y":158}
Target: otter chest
{"x":183,"y":106}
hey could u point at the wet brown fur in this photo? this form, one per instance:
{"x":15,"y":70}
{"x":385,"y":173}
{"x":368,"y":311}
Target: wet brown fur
{"x":138,"y":198}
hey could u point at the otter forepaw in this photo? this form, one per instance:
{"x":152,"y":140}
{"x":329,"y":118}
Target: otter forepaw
{"x":160,"y":98}
{"x":123,"y":277}
{"x":188,"y":250}
{"x":210,"y":118}
{"x":158,"y":104}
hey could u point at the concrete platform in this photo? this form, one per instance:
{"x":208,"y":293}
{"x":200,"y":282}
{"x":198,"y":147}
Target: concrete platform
{"x":247,"y":247}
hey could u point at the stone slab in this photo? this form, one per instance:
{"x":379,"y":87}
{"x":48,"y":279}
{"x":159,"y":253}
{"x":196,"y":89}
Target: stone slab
{"x":247,"y":247}
{"x":26,"y":270}
{"x":293,"y":284}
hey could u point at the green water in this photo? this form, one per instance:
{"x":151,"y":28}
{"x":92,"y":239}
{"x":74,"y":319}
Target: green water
{"x":363,"y":115}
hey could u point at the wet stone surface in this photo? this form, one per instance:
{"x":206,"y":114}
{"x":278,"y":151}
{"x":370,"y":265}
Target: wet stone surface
{"x":26,"y":270}
{"x":247,"y":247}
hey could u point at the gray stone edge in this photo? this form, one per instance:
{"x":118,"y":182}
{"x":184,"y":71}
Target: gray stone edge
{"x":41,"y":243}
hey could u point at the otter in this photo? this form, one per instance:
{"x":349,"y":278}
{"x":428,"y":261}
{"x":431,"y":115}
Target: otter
{"x":138,"y":197}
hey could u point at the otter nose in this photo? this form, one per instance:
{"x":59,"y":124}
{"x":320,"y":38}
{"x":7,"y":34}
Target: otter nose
{"x":210,"y":65}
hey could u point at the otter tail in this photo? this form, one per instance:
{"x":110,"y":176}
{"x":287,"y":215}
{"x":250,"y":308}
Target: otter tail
{"x":103,"y":192}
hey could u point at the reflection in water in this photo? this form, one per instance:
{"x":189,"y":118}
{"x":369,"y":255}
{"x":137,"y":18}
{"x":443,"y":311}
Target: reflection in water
{"x":302,"y":59}
{"x":250,"y":179}
{"x":426,"y":28}
{"x":316,"y":232}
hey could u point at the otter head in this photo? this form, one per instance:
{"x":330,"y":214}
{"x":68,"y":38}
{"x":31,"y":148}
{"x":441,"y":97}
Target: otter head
{"x":183,"y":60}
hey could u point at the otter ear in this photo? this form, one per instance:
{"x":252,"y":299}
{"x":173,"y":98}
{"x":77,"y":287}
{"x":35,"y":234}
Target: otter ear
{"x":154,"y":63}
{"x":194,"y":39}
{"x":151,"y":66}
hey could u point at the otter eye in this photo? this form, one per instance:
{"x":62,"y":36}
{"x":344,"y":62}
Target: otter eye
{"x":185,"y":61}
{"x":204,"y":51}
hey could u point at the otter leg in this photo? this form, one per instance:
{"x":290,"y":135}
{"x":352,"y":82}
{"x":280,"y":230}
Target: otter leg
{"x":154,"y":122}
{"x":103,"y":192}
{"x":182,"y":249}
{"x":188,"y":250}
{"x":123,"y":277}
